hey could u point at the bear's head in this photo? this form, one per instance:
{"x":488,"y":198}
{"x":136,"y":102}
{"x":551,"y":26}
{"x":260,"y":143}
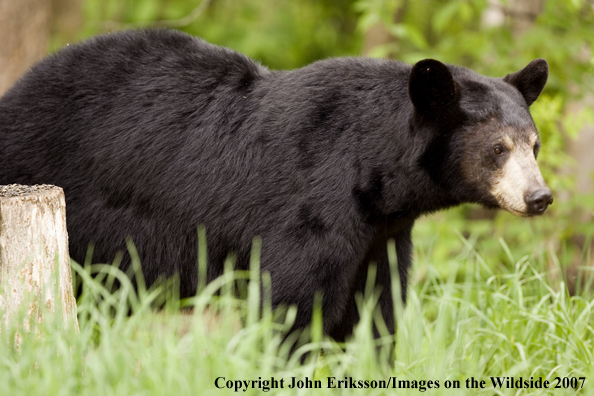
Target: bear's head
{"x":482,"y":141}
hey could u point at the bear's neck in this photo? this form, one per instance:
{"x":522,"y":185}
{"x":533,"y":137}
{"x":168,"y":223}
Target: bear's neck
{"x":400,"y":178}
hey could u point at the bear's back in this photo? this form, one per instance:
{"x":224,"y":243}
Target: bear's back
{"x":127,"y":91}
{"x":118,"y":57}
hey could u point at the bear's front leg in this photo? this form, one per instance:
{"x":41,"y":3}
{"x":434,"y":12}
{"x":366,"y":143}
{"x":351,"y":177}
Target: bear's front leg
{"x":378,"y":254}
{"x":297,"y":283}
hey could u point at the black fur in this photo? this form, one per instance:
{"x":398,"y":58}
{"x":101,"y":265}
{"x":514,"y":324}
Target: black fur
{"x":151,"y":133}
{"x":531,"y":80}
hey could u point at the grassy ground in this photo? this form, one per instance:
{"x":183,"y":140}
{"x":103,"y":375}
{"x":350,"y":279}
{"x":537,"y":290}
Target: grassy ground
{"x":476,"y":320}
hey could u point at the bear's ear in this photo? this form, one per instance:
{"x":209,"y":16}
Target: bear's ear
{"x":431,"y":85}
{"x":531,"y":80}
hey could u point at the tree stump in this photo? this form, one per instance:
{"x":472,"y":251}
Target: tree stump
{"x":33,"y":241}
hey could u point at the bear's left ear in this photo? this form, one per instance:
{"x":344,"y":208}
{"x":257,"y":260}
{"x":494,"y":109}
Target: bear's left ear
{"x":431,"y":86}
{"x":531,"y":80}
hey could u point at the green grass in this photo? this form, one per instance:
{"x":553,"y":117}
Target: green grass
{"x":478,"y":319}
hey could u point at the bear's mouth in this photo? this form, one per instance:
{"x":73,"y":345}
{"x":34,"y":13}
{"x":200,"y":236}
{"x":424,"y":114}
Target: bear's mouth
{"x":526,"y":212}
{"x":519,"y":213}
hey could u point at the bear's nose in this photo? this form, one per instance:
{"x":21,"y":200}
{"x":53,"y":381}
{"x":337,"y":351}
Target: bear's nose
{"x":538,"y":201}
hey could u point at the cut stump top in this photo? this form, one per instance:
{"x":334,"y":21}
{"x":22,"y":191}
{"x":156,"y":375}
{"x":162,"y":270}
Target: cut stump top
{"x":18,"y":190}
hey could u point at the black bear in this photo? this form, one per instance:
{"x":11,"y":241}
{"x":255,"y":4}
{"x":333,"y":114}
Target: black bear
{"x":154,"y":132}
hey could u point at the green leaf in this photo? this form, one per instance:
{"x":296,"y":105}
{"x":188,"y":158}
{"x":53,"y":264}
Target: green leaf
{"x":445,"y":15}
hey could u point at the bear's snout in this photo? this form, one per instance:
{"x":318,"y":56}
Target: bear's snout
{"x":538,"y":201}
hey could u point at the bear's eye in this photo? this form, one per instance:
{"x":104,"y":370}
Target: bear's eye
{"x":498,"y":150}
{"x":536,"y":149}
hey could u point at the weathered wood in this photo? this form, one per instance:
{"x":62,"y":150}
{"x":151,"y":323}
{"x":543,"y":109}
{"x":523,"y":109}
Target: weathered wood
{"x":33,"y":240}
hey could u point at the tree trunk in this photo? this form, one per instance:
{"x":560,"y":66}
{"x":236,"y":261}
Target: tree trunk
{"x":67,"y":21}
{"x":523,"y":14}
{"x":24,"y":36}
{"x":375,"y":36}
{"x":33,"y":240}
{"x":520,"y":14}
